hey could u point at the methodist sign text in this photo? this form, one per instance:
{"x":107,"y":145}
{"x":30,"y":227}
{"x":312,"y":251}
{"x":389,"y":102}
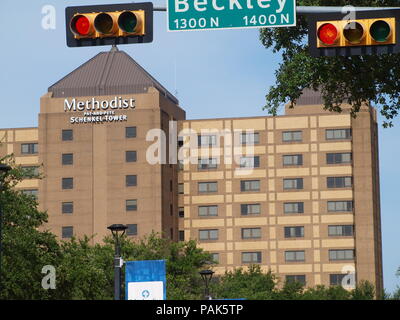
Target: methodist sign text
{"x":186,"y":15}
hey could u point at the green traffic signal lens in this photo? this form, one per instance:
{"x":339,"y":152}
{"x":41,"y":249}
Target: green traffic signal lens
{"x":380,"y":31}
{"x":127,"y":22}
{"x":354,"y":32}
{"x":103,"y":23}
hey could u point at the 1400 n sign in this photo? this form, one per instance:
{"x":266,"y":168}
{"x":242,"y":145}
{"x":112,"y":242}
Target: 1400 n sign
{"x":184,"y":15}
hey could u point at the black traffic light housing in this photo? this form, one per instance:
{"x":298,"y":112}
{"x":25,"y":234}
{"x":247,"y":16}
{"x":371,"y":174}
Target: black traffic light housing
{"x":101,"y":25}
{"x":366,"y":46}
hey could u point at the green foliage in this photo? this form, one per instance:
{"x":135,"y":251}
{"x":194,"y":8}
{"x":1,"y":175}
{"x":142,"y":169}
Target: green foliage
{"x":85,"y":271}
{"x":353,"y":80}
{"x":25,"y":249}
{"x":251,"y":284}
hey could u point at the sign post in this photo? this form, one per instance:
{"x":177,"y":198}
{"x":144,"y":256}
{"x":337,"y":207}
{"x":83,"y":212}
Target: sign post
{"x":186,"y":15}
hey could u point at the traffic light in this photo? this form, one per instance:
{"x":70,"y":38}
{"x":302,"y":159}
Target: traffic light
{"x":372,"y":32}
{"x":113,"y":24}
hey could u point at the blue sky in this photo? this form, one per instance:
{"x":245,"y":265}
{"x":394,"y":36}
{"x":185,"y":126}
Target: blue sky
{"x":224,"y":73}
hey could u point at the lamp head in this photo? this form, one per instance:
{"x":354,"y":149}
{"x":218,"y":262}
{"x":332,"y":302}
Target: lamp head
{"x":117,"y":230}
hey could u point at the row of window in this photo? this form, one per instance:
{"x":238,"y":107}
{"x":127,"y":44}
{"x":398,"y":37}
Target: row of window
{"x":210,"y":140}
{"x":288,"y":184}
{"x":289,"y":232}
{"x":207,"y":140}
{"x":255,"y":208}
{"x":68,"y":207}
{"x":68,"y":231}
{"x":68,"y":158}
{"x":288,"y":160}
{"x":334,"y":279}
{"x":68,"y":134}
{"x":68,"y":183}
{"x":294,"y":256}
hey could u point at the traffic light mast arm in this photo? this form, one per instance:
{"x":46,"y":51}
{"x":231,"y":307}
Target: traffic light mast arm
{"x":313,"y":10}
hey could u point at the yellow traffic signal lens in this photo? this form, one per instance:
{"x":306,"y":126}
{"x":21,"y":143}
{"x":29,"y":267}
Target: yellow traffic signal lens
{"x":104,"y":23}
{"x":127,"y":22}
{"x":380,"y":31}
{"x":80,"y":25}
{"x":354,"y":32}
{"x":328,"y":34}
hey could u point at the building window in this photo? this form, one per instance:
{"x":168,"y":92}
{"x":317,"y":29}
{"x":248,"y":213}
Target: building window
{"x":339,"y":182}
{"x":251,"y":233}
{"x":250,"y":162}
{"x":336,"y":158}
{"x":290,"y":184}
{"x":181,"y":235}
{"x":293,"y":160}
{"x":67,"y":135}
{"x":343,"y":231}
{"x":67,"y":159}
{"x":300,"y":278}
{"x":131,"y":180}
{"x":340,"y":206}
{"x":338,"y":134}
{"x":130,"y":132}
{"x":250,"y":185}
{"x":294,"y":232}
{"x":295,"y":256}
{"x":205,"y":187}
{"x":130,"y":156}
{"x":251,"y":257}
{"x":67,"y":183}
{"x":181,"y":188}
{"x":132,"y":230}
{"x":207,"y":140}
{"x":181,"y":141}
{"x":30,"y":172}
{"x":31,"y":192}
{"x":337,"y":279}
{"x":181,"y":212}
{"x":292,"y":136}
{"x":215,"y":257}
{"x":131,"y":205}
{"x":208,"y":211}
{"x":347,"y":254}
{"x":211,"y":234}
{"x":67,"y":232}
{"x":293,"y":207}
{"x":67,"y":207}
{"x":29,"y":148}
{"x":248,"y":209}
{"x":207,"y":163}
{"x":247,"y":138}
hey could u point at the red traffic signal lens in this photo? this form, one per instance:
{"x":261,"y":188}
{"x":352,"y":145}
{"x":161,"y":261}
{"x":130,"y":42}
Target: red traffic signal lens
{"x":104,"y":23}
{"x":380,"y":31}
{"x":354,"y":32}
{"x":127,"y":22}
{"x":328,"y":33}
{"x":80,"y":25}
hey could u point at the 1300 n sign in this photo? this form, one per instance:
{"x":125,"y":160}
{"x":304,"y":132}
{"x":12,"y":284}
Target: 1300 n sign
{"x":184,"y":15}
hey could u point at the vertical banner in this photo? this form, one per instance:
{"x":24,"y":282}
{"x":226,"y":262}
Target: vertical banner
{"x":145,"y":280}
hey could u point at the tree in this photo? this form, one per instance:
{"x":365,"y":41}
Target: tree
{"x":250,"y":284}
{"x":26,"y":249}
{"x":354,"y":80}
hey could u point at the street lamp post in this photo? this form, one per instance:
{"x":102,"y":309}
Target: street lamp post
{"x":117,"y":230}
{"x":206,"y":275}
{"x":3,"y":169}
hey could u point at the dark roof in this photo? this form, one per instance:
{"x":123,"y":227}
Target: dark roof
{"x":108,"y":73}
{"x":310,"y":97}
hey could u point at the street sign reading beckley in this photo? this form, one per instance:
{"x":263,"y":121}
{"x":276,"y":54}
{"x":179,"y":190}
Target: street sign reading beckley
{"x":185,"y":15}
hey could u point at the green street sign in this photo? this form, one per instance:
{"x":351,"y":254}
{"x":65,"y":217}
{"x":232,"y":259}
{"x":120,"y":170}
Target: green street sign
{"x":186,"y":15}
